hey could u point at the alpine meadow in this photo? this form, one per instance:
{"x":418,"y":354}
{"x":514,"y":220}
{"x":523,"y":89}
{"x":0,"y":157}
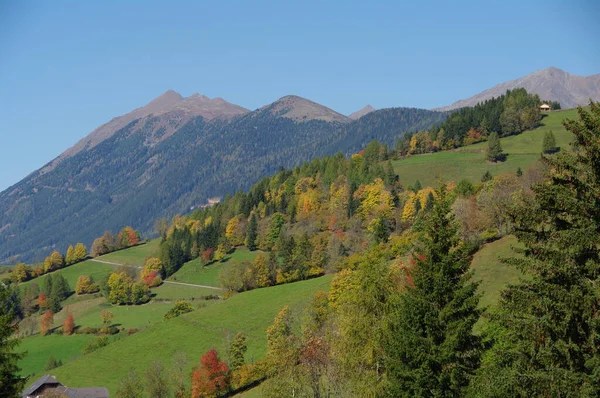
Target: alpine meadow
{"x":425,"y":246}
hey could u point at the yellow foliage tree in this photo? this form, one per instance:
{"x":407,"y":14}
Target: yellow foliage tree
{"x":53,"y":262}
{"x":375,"y":200}
{"x":80,"y":252}
{"x":234,"y":231}
{"x":69,"y":258}
{"x":20,"y":273}
{"x":260,"y":271}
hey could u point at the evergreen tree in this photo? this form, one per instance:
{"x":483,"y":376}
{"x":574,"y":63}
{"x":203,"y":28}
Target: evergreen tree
{"x":11,"y":384}
{"x":547,"y":325}
{"x":252,"y":233}
{"x":487,"y":176}
{"x":549,"y":143}
{"x":494,"y":151}
{"x":432,"y":350}
{"x":519,"y":172}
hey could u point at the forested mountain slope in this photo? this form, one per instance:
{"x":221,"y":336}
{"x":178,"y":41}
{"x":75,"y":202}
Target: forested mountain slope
{"x":148,"y":168}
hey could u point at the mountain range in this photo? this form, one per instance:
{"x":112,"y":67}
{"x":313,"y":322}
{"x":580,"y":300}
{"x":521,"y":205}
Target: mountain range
{"x":174,"y":153}
{"x":551,"y":84}
{"x":169,"y":157}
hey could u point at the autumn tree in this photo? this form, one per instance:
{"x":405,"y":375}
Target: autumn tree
{"x":20,"y":273}
{"x":80,"y":252}
{"x":86,"y":285}
{"x":494,"y":151}
{"x":131,"y":385}
{"x":106,"y":317}
{"x":69,"y":259}
{"x":128,"y":237}
{"x":547,"y":329}
{"x":157,"y":380}
{"x":179,"y":375}
{"x":211,"y":378}
{"x":43,"y":301}
{"x":359,"y":299}
{"x":260,"y":271}
{"x":47,"y":321}
{"x":153,"y":268}
{"x":69,"y":324}
{"x":237,"y":349}
{"x":11,"y":382}
{"x":53,"y":262}
{"x":432,"y":350}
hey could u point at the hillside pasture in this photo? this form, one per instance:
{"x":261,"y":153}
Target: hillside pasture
{"x":194,"y":333}
{"x":135,"y":255}
{"x":40,"y":348}
{"x":194,"y":272}
{"x":470,"y":162}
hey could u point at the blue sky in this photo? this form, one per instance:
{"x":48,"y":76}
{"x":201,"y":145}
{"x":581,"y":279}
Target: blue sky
{"x":67,"y":67}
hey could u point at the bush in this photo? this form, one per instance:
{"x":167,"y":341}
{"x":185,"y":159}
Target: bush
{"x":95,"y":344}
{"x":489,"y":235}
{"x":87,"y":330}
{"x":181,"y":307}
{"x":109,"y":330}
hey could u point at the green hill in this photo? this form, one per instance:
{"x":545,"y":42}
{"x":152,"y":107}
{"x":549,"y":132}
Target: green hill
{"x":195,"y":333}
{"x":470,"y":162}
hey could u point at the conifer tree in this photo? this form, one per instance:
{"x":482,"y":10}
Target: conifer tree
{"x":547,"y":325}
{"x":252,"y":233}
{"x":432,"y":350}
{"x":494,"y":152}
{"x":549,"y":143}
{"x":11,"y":383}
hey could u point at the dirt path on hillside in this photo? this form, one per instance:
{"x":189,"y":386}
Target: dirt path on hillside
{"x":175,"y":283}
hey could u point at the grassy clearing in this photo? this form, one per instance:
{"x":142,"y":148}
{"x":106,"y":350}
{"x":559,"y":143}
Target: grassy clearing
{"x":194,"y":272}
{"x":40,"y":348}
{"x":491,"y":272}
{"x":470,"y":162}
{"x":134,"y":255}
{"x":71,"y":273}
{"x":251,"y":312}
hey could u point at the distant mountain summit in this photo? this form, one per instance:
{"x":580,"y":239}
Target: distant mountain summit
{"x":303,"y":110}
{"x":166,"y":113}
{"x":169,"y":157}
{"x":551,"y":84}
{"x":361,"y":112}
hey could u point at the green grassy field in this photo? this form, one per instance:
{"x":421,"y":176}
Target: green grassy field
{"x":71,"y":273}
{"x":493,"y":274}
{"x":470,"y":162}
{"x":40,"y":348}
{"x":134,"y":255}
{"x":195,"y":333}
{"x":194,"y":272}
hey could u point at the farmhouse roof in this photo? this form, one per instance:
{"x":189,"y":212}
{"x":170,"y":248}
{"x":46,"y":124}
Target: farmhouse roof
{"x":89,"y":392}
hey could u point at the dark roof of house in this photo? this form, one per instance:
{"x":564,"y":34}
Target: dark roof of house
{"x":40,"y":382}
{"x":89,"y":392}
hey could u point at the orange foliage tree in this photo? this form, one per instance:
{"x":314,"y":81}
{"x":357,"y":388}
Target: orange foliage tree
{"x":47,"y":322}
{"x":69,"y":325}
{"x":211,"y":378}
{"x":42,"y":301}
